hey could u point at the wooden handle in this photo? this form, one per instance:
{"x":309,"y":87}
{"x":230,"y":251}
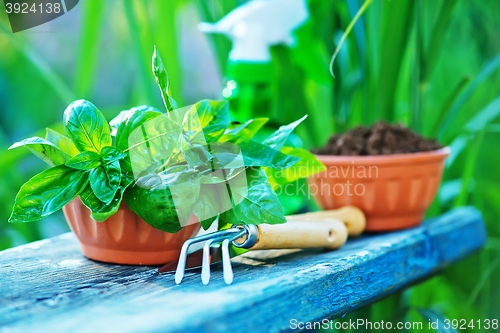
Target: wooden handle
{"x":353,"y":218}
{"x":329,"y":233}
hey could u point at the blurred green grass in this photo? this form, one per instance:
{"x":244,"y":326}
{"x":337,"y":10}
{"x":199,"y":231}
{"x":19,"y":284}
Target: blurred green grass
{"x":431,"y":65}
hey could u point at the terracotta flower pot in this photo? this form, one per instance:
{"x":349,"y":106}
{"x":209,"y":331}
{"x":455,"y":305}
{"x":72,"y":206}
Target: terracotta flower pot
{"x":125,"y":238}
{"x":394,"y":191}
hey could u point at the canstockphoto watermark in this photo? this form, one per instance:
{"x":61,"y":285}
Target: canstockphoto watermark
{"x":336,"y":180}
{"x":26,"y":14}
{"x":334,"y":172}
{"x":364,"y":324}
{"x":354,"y":325}
{"x":323,"y":187}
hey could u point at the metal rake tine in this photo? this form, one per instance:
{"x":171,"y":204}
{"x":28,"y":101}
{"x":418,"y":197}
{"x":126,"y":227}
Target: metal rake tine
{"x":205,"y":266}
{"x":227,"y":269}
{"x":226,"y":262}
{"x":181,"y":265}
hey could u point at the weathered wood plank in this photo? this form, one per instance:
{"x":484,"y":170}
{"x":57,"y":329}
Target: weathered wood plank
{"x":49,"y":286}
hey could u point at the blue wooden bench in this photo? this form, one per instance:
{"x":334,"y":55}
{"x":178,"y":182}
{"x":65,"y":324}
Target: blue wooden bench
{"x":48,"y":286}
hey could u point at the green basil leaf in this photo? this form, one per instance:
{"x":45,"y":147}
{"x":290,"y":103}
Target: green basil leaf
{"x":193,"y":131}
{"x":257,"y":203}
{"x":200,"y":124}
{"x":227,"y":155}
{"x":227,"y":219}
{"x":277,"y":139}
{"x":256,"y":154}
{"x":48,"y":192}
{"x":85,"y":161}
{"x":105,"y":181}
{"x":208,"y":222}
{"x":110,"y":154}
{"x":155,"y":206}
{"x":132,"y":119}
{"x":86,"y":126}
{"x":243,"y":132}
{"x":162,"y":80}
{"x":165,"y":201}
{"x":101,"y":211}
{"x":213,"y":200}
{"x":184,"y":185}
{"x":195,"y":154}
{"x":208,"y":176}
{"x":213,"y":117}
{"x":63,"y":142}
{"x":153,"y":144}
{"x":116,"y":121}
{"x":220,"y":198}
{"x":44,"y":149}
{"x":148,"y":137}
{"x":307,"y":166}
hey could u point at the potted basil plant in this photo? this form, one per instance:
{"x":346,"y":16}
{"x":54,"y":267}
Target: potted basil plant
{"x":134,"y":189}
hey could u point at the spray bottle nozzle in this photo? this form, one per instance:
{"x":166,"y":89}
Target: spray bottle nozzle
{"x":256,"y":25}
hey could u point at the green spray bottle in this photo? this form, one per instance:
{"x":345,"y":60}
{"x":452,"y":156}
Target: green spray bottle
{"x":253,"y":28}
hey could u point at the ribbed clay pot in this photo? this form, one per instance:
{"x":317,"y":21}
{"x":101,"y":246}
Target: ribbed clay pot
{"x":394,"y":191}
{"x":124,"y":238}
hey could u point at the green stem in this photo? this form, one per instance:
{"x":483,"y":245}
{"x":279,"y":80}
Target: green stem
{"x":162,"y":80}
{"x":347,"y":31}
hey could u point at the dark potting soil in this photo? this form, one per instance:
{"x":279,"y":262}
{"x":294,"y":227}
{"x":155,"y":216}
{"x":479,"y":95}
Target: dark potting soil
{"x":378,"y":139}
